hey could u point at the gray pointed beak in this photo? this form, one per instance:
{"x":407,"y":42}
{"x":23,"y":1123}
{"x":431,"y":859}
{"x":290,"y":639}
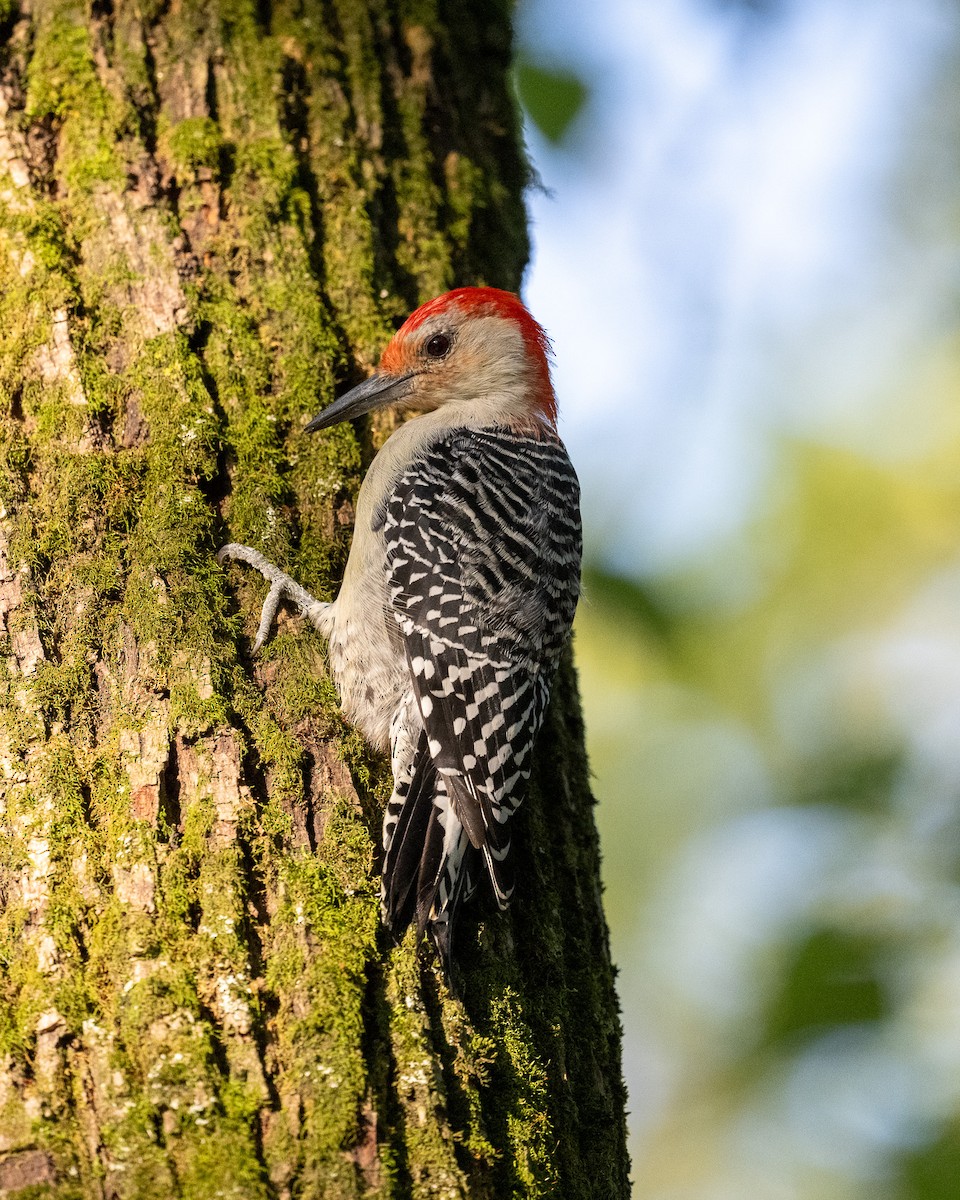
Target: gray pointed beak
{"x":375,"y":392}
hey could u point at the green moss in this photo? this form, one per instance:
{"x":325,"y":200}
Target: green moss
{"x":191,"y":144}
{"x":62,"y":83}
{"x":428,"y":1144}
{"x":41,"y":1191}
{"x":529,"y":1126}
{"x":266,"y":172}
{"x":319,"y":944}
{"x":61,"y":74}
{"x":464,"y":186}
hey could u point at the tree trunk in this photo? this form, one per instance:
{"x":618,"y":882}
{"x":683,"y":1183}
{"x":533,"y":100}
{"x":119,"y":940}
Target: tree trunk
{"x":209,"y":215}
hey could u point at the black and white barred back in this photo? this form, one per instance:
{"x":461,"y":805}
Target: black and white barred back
{"x":483,"y":558}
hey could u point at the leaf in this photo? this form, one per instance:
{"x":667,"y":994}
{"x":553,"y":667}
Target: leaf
{"x":552,"y":97}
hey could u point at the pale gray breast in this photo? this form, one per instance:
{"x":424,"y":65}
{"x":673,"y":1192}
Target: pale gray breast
{"x":366,"y":656}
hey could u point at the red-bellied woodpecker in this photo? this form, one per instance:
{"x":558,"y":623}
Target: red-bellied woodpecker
{"x":458,"y":594}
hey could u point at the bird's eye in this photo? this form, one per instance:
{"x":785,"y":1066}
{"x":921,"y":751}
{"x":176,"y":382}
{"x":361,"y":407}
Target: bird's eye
{"x":438,"y":345}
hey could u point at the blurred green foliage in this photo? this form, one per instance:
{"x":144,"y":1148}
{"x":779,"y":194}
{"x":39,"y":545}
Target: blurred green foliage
{"x":932,"y":1172}
{"x":774,"y":728}
{"x":779,"y":816}
{"x":552,"y":96}
{"x":833,"y":977}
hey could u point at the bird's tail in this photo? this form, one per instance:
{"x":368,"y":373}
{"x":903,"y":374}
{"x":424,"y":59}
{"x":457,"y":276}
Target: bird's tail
{"x":430,"y":868}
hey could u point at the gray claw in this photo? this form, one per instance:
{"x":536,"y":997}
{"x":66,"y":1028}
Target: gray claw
{"x":281,"y":586}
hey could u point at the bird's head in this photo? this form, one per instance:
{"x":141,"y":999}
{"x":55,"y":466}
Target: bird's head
{"x":477,"y":348}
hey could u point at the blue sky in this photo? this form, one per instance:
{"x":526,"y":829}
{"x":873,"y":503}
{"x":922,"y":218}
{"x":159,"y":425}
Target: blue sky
{"x":730,"y":199}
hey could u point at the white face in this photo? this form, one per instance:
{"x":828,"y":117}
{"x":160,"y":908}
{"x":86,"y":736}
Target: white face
{"x":464,"y":359}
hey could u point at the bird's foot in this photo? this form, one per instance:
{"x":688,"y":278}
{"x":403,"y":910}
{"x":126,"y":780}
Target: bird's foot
{"x":282,"y":586}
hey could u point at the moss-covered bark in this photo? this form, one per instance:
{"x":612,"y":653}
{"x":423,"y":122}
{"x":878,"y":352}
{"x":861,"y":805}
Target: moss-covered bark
{"x":209,"y":214}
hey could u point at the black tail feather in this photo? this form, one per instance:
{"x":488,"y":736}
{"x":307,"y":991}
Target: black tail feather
{"x":441,"y":933}
{"x":431,"y":868}
{"x":415,"y":866}
{"x":416,"y":873}
{"x":498,"y":863}
{"x":403,"y":861}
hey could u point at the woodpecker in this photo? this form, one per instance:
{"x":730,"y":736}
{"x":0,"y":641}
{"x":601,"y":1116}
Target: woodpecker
{"x":458,"y":594}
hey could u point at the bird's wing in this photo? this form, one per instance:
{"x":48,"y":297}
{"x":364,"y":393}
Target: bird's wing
{"x":483,"y":552}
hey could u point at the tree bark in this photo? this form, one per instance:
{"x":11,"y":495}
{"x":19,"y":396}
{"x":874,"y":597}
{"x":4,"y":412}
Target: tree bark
{"x":210,"y":214}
